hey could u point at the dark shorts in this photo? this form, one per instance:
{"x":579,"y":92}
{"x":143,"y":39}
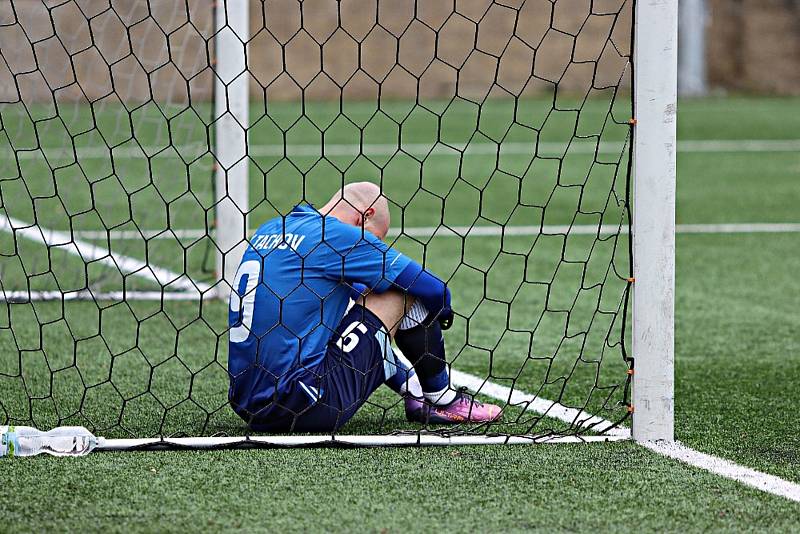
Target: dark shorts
{"x":358,"y":360}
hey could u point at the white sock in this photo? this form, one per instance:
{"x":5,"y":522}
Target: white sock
{"x":411,"y":385}
{"x":442,"y":397}
{"x":414,"y":316}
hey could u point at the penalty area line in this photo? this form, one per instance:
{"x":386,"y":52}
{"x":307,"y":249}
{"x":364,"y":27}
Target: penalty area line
{"x":677,"y":451}
{"x":92,"y":253}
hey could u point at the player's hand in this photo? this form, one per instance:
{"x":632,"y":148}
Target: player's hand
{"x":446,"y":319}
{"x":446,"y":315}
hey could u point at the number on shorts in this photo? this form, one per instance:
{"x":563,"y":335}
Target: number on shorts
{"x":349,"y":338}
{"x":243,"y":305}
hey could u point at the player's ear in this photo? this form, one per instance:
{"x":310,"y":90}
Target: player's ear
{"x":369,"y":213}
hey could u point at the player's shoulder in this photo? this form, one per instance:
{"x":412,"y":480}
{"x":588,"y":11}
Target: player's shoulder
{"x":298,"y":216}
{"x":344,"y":233}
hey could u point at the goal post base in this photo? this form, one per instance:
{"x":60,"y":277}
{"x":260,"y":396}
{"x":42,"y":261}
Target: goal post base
{"x":344,"y":441}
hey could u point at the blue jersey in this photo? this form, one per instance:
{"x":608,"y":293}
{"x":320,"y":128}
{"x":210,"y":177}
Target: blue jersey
{"x":292,"y":290}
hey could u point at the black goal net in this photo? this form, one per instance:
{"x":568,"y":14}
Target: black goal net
{"x":499,"y":133}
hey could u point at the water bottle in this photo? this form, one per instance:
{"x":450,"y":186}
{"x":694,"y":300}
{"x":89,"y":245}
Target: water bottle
{"x":61,"y":441}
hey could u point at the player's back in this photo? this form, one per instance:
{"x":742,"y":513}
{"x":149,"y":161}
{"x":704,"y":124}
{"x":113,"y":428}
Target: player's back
{"x":283,"y":278}
{"x":291,"y":292}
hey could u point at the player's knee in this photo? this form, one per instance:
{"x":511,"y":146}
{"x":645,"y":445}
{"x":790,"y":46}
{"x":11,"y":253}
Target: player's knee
{"x":389,"y":306}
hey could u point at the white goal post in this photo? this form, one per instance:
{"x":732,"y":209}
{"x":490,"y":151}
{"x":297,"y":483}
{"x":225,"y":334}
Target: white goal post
{"x":654,"y":171}
{"x":231,"y":101}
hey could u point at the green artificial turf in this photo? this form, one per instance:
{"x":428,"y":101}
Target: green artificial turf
{"x":116,"y":368}
{"x":611,"y":488}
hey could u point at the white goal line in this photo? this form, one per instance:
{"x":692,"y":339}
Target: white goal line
{"x":572,"y":416}
{"x":475,"y":231}
{"x":713,"y":464}
{"x":415,"y":149}
{"x":396,"y":440}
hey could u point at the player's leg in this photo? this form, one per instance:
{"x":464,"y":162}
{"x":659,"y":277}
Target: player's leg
{"x":358,"y":361}
{"x":420,"y":338}
{"x":391,"y":307}
{"x":405,"y":381}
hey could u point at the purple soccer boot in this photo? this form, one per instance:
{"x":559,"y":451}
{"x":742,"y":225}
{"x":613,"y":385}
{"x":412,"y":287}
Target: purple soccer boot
{"x":463,"y":409}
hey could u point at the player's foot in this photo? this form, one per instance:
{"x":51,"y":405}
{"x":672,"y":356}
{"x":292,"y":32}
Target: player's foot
{"x":464,"y":409}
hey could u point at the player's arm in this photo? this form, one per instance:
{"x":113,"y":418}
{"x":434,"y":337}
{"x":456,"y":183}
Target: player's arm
{"x":428,"y":289}
{"x":362,"y":258}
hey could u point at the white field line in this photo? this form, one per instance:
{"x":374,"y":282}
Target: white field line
{"x":476,"y":231}
{"x":725,"y":468}
{"x":167,"y":295}
{"x":712,"y":464}
{"x":89,"y":252}
{"x":536,"y":404}
{"x":416,"y":149}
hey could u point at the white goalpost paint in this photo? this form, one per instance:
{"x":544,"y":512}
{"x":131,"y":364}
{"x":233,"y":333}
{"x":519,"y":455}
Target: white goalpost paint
{"x":654,"y":161}
{"x":231,"y":101}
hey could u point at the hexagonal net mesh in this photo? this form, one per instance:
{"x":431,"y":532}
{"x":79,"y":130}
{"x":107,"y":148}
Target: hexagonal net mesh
{"x":498,"y":131}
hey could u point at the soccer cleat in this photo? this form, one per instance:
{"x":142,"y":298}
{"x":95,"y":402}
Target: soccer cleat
{"x":464,"y":409}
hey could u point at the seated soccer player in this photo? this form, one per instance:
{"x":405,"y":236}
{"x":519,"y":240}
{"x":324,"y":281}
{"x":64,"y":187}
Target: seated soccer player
{"x":300,"y":361}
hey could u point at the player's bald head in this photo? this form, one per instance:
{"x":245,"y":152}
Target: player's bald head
{"x":361,"y":203}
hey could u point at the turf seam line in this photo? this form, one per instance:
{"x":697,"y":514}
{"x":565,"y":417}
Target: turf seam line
{"x":677,"y":451}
